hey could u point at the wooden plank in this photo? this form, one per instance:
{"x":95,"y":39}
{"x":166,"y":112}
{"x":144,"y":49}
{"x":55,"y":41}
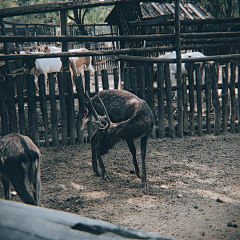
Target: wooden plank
{"x":233,"y":98}
{"x":208,"y":82}
{"x":215,"y":99}
{"x":141,"y":78}
{"x":134,"y":80}
{"x":185,"y":106}
{"x":11,"y":103}
{"x":160,"y":94}
{"x":238,"y":86}
{"x":169,"y":101}
{"x":3,"y":106}
{"x":225,"y":77}
{"x":199,"y":97}
{"x":43,"y":105}
{"x":191,"y":98}
{"x":33,"y":130}
{"x":71,"y":108}
{"x":96,"y":82}
{"x":81,"y":109}
{"x":63,"y":105}
{"x":126,"y":80}
{"x":20,"y":100}
{"x":105,"y":83}
{"x":53,"y":104}
{"x":116,"y":78}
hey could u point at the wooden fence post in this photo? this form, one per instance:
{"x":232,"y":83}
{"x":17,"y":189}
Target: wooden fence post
{"x":71,"y":107}
{"x":81,"y":103}
{"x":160,"y":93}
{"x":43,"y":104}
{"x":141,"y":78}
{"x":33,"y":130}
{"x":63,"y":105}
{"x":126,"y":80}
{"x":20,"y":100}
{"x":169,"y":101}
{"x":199,"y":97}
{"x":116,"y":78}
{"x":11,"y":103}
{"x":233,"y":98}
{"x":208,"y":85}
{"x":225,"y":77}
{"x":191,"y":98}
{"x":54,"y":119}
{"x":149,"y":87}
{"x":215,"y":100}
{"x":185,"y":106}
{"x":96,"y":81}
{"x":238,"y":86}
{"x":134,"y":80}
{"x":3,"y":107}
{"x":105,"y":83}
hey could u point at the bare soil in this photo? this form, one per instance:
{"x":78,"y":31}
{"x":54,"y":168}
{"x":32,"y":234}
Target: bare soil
{"x":193,"y":187}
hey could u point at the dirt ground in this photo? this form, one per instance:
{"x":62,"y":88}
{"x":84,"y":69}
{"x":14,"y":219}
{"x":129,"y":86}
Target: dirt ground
{"x":193,"y":187}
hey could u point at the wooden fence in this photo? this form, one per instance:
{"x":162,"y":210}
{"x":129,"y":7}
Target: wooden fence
{"x":56,"y":116}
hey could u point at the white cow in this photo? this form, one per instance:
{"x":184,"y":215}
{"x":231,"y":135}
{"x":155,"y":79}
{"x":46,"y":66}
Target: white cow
{"x":80,"y":62}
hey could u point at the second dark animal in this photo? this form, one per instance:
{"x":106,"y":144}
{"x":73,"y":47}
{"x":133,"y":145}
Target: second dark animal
{"x":119,"y":115}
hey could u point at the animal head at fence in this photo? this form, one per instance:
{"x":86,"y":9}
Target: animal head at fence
{"x":119,"y":115}
{"x":20,"y":158}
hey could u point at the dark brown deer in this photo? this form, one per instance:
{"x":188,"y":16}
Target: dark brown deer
{"x":20,"y":160}
{"x":119,"y":115}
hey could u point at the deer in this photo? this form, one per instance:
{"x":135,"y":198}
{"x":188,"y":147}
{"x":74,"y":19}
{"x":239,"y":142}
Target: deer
{"x":118,"y":114}
{"x":20,"y":161}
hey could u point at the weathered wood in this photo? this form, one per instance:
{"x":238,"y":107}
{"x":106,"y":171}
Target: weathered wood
{"x":3,"y":107}
{"x":126,"y":79}
{"x":238,"y":86}
{"x":71,"y":108}
{"x":96,"y":81}
{"x":233,"y":98}
{"x":11,"y":103}
{"x":20,"y":100}
{"x":208,"y":82}
{"x":225,"y":81}
{"x":185,"y":106}
{"x":63,"y":105}
{"x":160,"y":94}
{"x":105,"y":83}
{"x":134,"y":81}
{"x":191,"y":98}
{"x":169,"y":101}
{"x":43,"y":105}
{"x":33,"y":129}
{"x":53,"y":104}
{"x":215,"y":99}
{"x":116,"y":78}
{"x":81,"y":104}
{"x":199,"y":97}
{"x":141,"y":78}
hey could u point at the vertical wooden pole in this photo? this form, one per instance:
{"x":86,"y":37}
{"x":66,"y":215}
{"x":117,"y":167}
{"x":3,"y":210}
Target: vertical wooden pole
{"x":179,"y":75}
{"x":185,"y":106}
{"x":54,"y":119}
{"x":96,"y":81}
{"x":3,"y":106}
{"x":199,"y":97}
{"x":233,"y":98}
{"x":134,"y":80}
{"x":169,"y":101}
{"x":208,"y":86}
{"x":141,"y":77}
{"x":215,"y":99}
{"x":160,"y":93}
{"x":116,"y":78}
{"x":238,"y":86}
{"x":126,"y":80}
{"x":43,"y":104}
{"x":225,"y":77}
{"x":191,"y":98}
{"x":105,"y":82}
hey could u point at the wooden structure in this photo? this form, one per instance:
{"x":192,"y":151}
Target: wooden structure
{"x":139,"y":80}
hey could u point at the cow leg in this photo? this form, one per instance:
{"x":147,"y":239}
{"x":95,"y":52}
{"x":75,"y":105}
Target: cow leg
{"x":6,"y":185}
{"x":18,"y":181}
{"x":132,"y":149}
{"x":143,"y":155}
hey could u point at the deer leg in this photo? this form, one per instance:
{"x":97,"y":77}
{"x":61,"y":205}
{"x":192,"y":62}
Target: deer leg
{"x":36,"y":186}
{"x":6,"y":186}
{"x":132,"y":149}
{"x":143,"y":155}
{"x":94,"y":156}
{"x":102,"y":166}
{"x":18,"y":182}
